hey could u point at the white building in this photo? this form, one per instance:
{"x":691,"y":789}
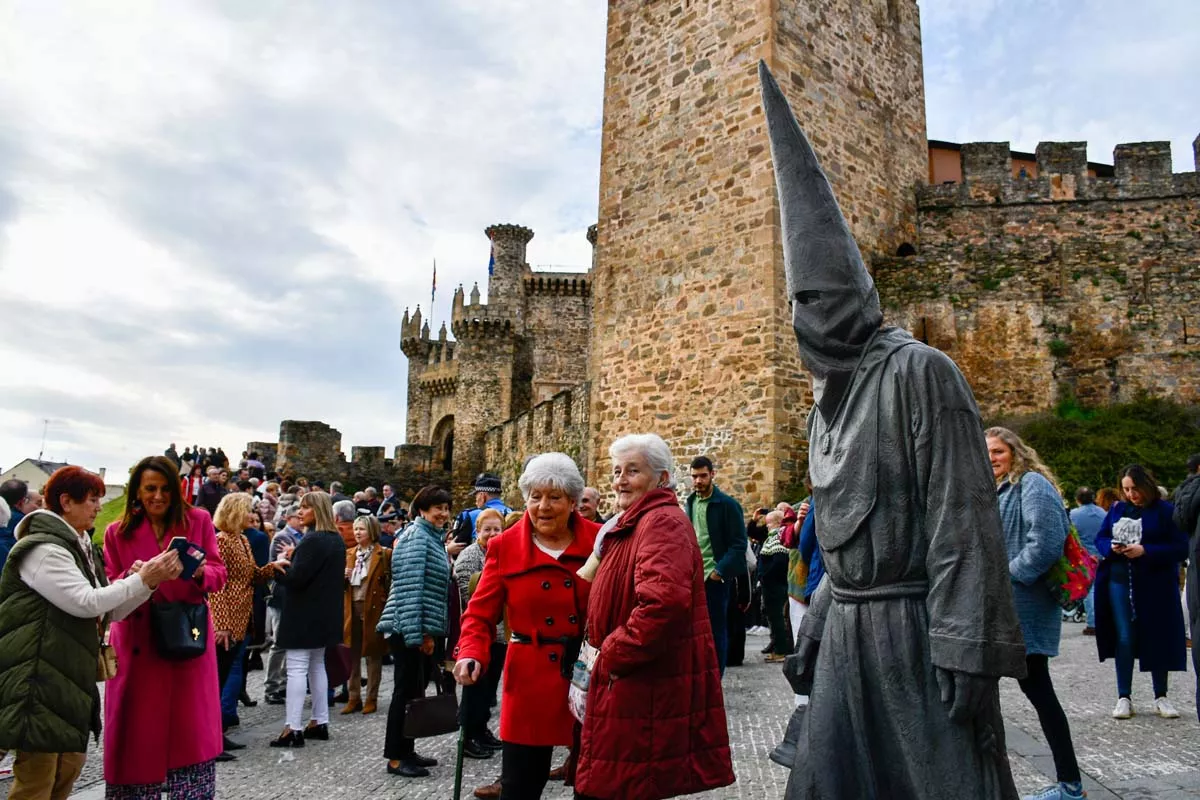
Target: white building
{"x":35,"y":473}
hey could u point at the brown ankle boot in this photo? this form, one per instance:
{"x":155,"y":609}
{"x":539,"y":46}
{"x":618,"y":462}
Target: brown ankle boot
{"x":353,"y":706}
{"x":370,"y":707}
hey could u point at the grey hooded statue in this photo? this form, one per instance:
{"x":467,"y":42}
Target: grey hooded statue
{"x":909,"y":633}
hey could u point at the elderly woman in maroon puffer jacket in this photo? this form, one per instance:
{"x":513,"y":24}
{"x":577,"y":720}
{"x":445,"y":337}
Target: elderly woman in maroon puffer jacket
{"x":655,"y":721}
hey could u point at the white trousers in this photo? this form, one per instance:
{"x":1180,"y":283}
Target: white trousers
{"x":796,"y":612}
{"x":306,"y":670}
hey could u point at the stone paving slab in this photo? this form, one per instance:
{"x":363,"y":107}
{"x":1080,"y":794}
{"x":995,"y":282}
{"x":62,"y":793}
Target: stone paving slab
{"x":1145,"y":757}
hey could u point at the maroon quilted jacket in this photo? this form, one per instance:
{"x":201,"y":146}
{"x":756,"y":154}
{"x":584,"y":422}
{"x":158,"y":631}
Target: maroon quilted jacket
{"x":655,"y":724}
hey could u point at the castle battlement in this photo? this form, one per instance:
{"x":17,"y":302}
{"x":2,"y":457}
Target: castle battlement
{"x":1142,"y":170}
{"x":558,"y":283}
{"x":480,"y":320}
{"x":314,"y":450}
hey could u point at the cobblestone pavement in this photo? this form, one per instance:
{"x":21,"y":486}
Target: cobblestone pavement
{"x":1145,"y":757}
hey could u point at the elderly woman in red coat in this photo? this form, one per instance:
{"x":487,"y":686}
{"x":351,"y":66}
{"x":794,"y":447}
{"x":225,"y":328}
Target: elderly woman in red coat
{"x":530,"y":576}
{"x":655,"y":720}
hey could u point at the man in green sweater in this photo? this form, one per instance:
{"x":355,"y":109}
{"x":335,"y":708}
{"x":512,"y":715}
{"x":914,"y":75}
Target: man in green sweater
{"x":721,"y":532}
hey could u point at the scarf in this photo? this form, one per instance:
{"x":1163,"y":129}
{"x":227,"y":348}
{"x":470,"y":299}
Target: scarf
{"x":361,"y":558}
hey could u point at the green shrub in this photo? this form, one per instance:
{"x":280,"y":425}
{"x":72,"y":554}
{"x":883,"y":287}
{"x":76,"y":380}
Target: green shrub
{"x":1059,"y":348}
{"x":1089,"y":446}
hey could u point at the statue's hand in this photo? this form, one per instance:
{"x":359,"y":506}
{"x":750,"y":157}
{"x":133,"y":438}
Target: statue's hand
{"x":966,"y":695}
{"x":800,"y":667}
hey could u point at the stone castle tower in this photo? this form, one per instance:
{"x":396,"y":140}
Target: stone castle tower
{"x":689,"y":285}
{"x":520,"y":348}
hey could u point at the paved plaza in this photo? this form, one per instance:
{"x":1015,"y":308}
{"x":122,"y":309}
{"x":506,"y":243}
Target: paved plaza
{"x":1145,"y":757}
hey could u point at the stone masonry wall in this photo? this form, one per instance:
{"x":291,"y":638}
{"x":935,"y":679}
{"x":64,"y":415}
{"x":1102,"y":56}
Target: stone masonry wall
{"x":558,"y":327}
{"x":1061,"y":284}
{"x":692,"y":337}
{"x":559,"y":424}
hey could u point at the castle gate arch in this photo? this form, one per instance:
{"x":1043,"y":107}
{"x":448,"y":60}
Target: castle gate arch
{"x":443,"y":443}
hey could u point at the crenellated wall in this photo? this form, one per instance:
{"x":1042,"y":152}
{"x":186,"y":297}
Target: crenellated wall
{"x":314,"y":450}
{"x":559,"y":424}
{"x":1063,"y":283}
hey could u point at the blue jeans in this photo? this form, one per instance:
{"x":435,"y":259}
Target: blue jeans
{"x":716,"y":593}
{"x":232,"y":689}
{"x":1089,"y":606}
{"x":1122,"y":613}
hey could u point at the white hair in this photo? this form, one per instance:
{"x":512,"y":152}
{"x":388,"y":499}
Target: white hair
{"x":344,"y":511}
{"x":552,"y":471}
{"x":651,"y":447}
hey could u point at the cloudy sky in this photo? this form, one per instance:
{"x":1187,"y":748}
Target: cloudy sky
{"x":212,"y":215}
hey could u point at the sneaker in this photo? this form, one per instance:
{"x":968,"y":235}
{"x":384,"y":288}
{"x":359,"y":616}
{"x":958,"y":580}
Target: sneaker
{"x":1089,"y":631}
{"x":1163,"y":707}
{"x":1058,"y":791}
{"x":1124,"y":709}
{"x":775,"y":658}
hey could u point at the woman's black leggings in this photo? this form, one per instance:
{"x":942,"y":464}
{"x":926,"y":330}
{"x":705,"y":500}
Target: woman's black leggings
{"x":1040,"y":691}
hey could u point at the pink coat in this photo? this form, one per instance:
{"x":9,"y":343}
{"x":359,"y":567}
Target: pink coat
{"x":160,"y":715}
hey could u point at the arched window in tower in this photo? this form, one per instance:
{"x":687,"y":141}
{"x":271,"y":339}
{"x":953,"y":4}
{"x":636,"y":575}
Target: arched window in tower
{"x":443,"y":444}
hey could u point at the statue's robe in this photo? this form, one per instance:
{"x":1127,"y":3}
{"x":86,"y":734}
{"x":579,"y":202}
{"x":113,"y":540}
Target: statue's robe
{"x":917,"y":578}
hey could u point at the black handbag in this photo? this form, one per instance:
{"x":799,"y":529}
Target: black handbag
{"x":179,"y":630}
{"x":433,"y":716}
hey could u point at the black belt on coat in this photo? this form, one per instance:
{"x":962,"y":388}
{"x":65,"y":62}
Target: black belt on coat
{"x":571,"y":646}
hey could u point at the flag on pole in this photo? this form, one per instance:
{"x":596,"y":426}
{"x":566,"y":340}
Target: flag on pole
{"x":491,"y":260}
{"x":433,"y":292}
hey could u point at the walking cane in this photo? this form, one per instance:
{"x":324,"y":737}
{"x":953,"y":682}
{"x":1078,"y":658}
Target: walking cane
{"x":458,"y":761}
{"x":462,"y":738}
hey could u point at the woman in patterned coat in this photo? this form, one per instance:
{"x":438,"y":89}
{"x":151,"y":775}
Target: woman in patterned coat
{"x":233,"y":606}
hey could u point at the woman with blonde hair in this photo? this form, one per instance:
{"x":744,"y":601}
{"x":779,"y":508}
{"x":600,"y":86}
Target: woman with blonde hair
{"x":368,"y":581}
{"x":233,"y":605}
{"x":1035,"y":529}
{"x":309,"y":620}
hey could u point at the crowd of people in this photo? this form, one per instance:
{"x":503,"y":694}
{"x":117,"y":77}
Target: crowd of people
{"x":612,"y":634}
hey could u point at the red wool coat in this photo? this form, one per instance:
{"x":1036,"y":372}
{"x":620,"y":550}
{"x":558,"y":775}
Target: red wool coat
{"x":655,"y":724}
{"x":543,"y":597}
{"x":160,"y":715}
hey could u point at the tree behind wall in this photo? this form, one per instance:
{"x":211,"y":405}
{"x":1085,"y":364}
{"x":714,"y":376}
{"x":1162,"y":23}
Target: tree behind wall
{"x":1089,"y":447}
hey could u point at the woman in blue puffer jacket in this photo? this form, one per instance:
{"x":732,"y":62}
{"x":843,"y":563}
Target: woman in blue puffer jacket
{"x":414,"y":618}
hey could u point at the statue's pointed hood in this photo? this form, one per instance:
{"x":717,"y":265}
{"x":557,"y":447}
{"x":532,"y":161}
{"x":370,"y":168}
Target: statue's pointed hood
{"x":835,"y":308}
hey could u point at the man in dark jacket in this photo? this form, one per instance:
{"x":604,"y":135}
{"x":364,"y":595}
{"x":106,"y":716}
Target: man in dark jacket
{"x":721,"y":531}
{"x":16,"y":493}
{"x":212,"y":491}
{"x":1187,"y":518}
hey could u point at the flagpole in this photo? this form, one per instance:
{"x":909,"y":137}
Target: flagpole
{"x":433,"y":295}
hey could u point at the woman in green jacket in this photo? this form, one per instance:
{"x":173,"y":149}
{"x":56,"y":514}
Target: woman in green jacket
{"x":49,"y":667}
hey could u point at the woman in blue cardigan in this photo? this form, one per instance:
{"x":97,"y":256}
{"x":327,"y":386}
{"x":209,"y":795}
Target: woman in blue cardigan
{"x":1137,"y":591}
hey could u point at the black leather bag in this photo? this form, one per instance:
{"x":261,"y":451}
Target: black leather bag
{"x":433,"y":716}
{"x":179,"y":630}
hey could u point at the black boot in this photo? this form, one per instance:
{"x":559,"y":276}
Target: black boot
{"x":244,"y":699}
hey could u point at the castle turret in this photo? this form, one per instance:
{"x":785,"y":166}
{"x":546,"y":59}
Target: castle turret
{"x":475,"y":295}
{"x":506,"y":283}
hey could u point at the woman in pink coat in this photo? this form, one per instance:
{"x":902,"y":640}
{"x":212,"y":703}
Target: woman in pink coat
{"x":162,"y":719}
